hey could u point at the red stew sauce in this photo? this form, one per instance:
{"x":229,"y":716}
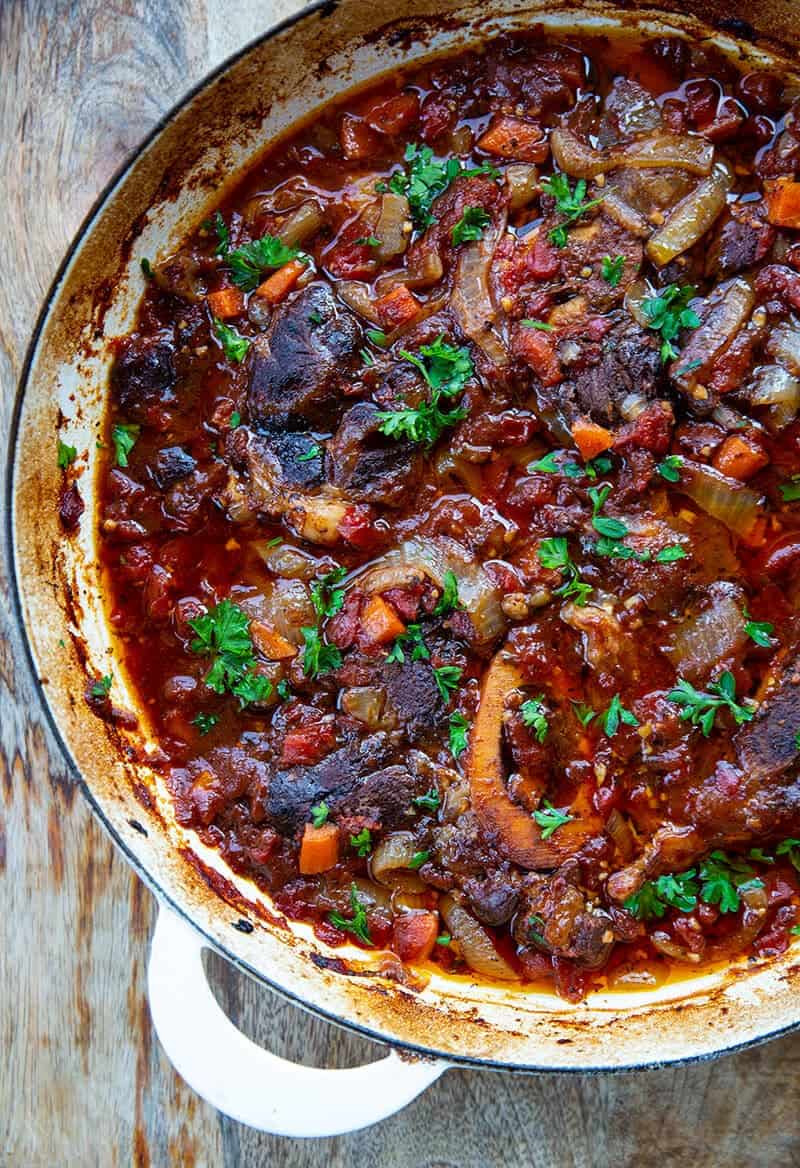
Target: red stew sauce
{"x":451,"y":515}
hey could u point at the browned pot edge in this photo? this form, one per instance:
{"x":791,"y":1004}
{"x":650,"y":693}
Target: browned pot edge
{"x":45,"y":595}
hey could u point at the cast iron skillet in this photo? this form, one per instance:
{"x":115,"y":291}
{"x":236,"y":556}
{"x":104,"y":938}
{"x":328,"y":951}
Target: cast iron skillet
{"x":165,"y":188}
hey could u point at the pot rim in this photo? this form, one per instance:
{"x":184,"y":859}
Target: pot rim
{"x":163,"y":897}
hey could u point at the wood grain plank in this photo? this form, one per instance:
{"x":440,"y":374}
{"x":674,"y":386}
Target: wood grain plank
{"x":84,"y":1082}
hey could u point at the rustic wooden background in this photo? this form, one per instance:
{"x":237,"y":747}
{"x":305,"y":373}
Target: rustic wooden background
{"x":83,"y":1082}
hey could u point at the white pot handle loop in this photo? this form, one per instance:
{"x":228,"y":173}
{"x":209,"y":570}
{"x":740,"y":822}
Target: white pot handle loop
{"x":248,"y":1083}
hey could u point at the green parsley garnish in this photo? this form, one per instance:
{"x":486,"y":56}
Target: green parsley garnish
{"x":124,"y":436}
{"x":235,"y":420}
{"x":443,"y":939}
{"x":219,"y":227}
{"x":542,"y":325}
{"x":362,"y":842}
{"x":102,"y":688}
{"x":616,"y":715}
{"x":66,"y":454}
{"x":791,"y":849}
{"x":670,"y":468}
{"x":424,"y":179}
{"x":447,"y":678}
{"x":470,"y":226}
{"x":667,"y":313}
{"x":223,"y":633}
{"x":790,"y":492}
{"x":701,"y":708}
{"x":418,"y":859}
{"x":429,"y":801}
{"x":377,"y":336}
{"x":758,"y":631}
{"x":234,"y":345}
{"x":147,"y":268}
{"x":250,"y":261}
{"x":410,"y":641}
{"x":312,"y":453}
{"x":569,"y":204}
{"x":283,"y":690}
{"x":448,"y":601}
{"x":319,"y":813}
{"x":534,"y":716}
{"x":585,"y":714}
{"x":611,"y":270}
{"x":446,"y":370}
{"x":684,"y":369}
{"x":720,"y":880}
{"x":368,"y":241}
{"x":205,"y":722}
{"x":554,"y":554}
{"x":326,"y":598}
{"x":459,"y":727}
{"x":550,"y":819}
{"x":318,"y":656}
{"x":670,"y":554}
{"x":315,"y":317}
{"x":357,"y":924}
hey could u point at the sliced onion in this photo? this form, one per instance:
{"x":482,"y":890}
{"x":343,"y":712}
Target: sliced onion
{"x":449,"y":465}
{"x":357,"y":297}
{"x":581,"y":161}
{"x":670,"y":948}
{"x":316,"y":517}
{"x":288,"y":562}
{"x":366,"y":703}
{"x":523,"y":184}
{"x":472,"y":300}
{"x":475,"y":943}
{"x":713,"y":635}
{"x":723,"y":498}
{"x":417,"y":559}
{"x":621,"y":832}
{"x":774,"y":387}
{"x":726,"y":311}
{"x":391,"y":860}
{"x":783,"y":345}
{"x":389,"y":228}
{"x":301,"y":224}
{"x":634,"y":302}
{"x":626,"y":216}
{"x":284,"y":606}
{"x":692,"y":216}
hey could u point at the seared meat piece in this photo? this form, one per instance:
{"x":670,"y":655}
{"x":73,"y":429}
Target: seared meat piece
{"x":384,"y":797}
{"x":588,"y":244}
{"x":143,"y":375}
{"x":302,"y":363}
{"x":293,"y":792}
{"x":556,"y":909}
{"x":766,"y":747}
{"x":172,"y":463}
{"x":743,"y":239}
{"x":368,"y":467}
{"x":493,"y":900}
{"x":267,"y":469}
{"x":412,"y":693}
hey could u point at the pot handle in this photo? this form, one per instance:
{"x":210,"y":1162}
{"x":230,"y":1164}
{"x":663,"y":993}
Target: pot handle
{"x":247,"y":1083}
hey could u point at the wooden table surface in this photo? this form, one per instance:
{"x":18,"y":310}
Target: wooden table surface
{"x":84,"y":1082}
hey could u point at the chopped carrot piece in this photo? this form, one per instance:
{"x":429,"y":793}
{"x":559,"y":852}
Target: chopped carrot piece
{"x":536,"y":349}
{"x":271,"y":644}
{"x":379,"y":622}
{"x":514,"y":138}
{"x":397,"y":308}
{"x":394,"y":114}
{"x":414,"y":935}
{"x":783,"y":202}
{"x":277,"y":286}
{"x":319,"y":849}
{"x":590,"y":438}
{"x":226,"y":303}
{"x":740,"y":457}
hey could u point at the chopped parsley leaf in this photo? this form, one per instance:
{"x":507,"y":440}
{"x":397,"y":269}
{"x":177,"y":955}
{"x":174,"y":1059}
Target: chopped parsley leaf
{"x":318,"y":656}
{"x":234,"y":345}
{"x":319,"y":813}
{"x":368,"y":241}
{"x":124,"y":436}
{"x":701,"y":708}
{"x":102,"y":688}
{"x":585,"y":714}
{"x":611,"y":269}
{"x":312,"y":453}
{"x":668,"y":313}
{"x":223,"y":633}
{"x":470,"y":226}
{"x":410,"y":641}
{"x":357,"y":924}
{"x":362,"y":842}
{"x":250,"y":261}
{"x":205,"y":722}
{"x":428,"y":802}
{"x":418,"y":859}
{"x":542,"y":325}
{"x":759,"y":631}
{"x":534,"y":716}
{"x":235,"y":420}
{"x":326,"y":598}
{"x":66,"y":454}
{"x":670,"y":554}
{"x":550,"y":819}
{"x":377,"y":336}
{"x":147,"y":268}
{"x":447,"y":678}
{"x":554,"y":554}
{"x":446,"y":370}
{"x":424,"y":179}
{"x":790,"y":492}
{"x":670,"y":468}
{"x":448,"y":601}
{"x":569,"y":204}
{"x":459,"y":727}
{"x":616,"y":715}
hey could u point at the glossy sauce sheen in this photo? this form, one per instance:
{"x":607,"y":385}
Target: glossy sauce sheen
{"x":524,"y":795}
